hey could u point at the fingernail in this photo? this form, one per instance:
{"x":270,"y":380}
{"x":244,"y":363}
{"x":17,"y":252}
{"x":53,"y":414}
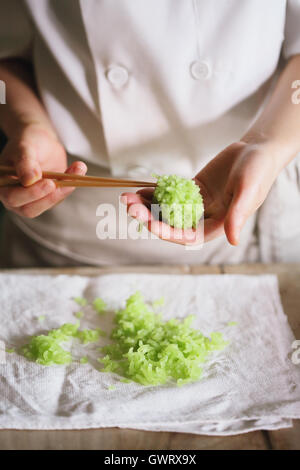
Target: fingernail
{"x":123,"y":200}
{"x":82,"y":167}
{"x":70,"y":171}
{"x":30,"y":178}
{"x":133,"y":211}
{"x":77,"y":167}
{"x":236,"y":240}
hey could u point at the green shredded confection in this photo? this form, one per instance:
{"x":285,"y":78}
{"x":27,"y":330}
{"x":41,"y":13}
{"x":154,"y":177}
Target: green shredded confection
{"x":158,"y":302}
{"x":9,"y":351}
{"x":232,"y":323}
{"x":126,"y":381}
{"x":180,"y":201}
{"x":112,"y":387}
{"x":145,"y":348}
{"x":41,"y":318}
{"x":46,"y":349}
{"x":151,"y":351}
{"x":99,"y":305}
{"x":79,"y":314}
{"x":64,"y":332}
{"x":80,"y":301}
{"x":89,"y":336}
{"x":140,"y":227}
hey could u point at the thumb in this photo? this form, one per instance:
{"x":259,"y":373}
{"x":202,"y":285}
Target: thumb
{"x":27,"y":165}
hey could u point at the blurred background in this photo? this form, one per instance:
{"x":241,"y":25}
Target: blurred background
{"x":2,"y":143}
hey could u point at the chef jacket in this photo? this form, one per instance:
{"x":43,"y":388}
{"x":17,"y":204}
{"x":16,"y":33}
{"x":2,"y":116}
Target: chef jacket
{"x":135,"y":87}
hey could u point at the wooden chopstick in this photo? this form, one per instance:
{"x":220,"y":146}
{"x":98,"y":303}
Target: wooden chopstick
{"x":8,"y":181}
{"x":65,"y":179}
{"x":102,"y":184}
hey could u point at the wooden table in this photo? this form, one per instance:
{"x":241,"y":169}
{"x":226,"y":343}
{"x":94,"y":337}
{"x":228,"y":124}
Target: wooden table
{"x":118,"y":439}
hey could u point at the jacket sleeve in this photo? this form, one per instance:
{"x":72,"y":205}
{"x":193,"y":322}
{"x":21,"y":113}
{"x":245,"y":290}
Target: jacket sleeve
{"x":291,"y":44}
{"x":16,"y":30}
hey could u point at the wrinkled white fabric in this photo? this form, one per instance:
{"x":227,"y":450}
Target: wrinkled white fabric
{"x":252,"y":384}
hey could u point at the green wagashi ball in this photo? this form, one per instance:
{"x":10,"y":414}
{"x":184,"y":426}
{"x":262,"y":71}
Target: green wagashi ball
{"x":180,"y":201}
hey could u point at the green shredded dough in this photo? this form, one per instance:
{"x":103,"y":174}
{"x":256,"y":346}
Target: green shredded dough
{"x":112,"y":387}
{"x":78,"y":315}
{"x":99,"y":305}
{"x":10,"y":350}
{"x":158,"y":302}
{"x":180,"y":201}
{"x":126,"y":381}
{"x":41,"y":318}
{"x":80,"y":301}
{"x":89,"y":336}
{"x":145,"y":348}
{"x":151,"y":351}
{"x":232,"y":323}
{"x":46,"y":349}
{"x":65,"y":332}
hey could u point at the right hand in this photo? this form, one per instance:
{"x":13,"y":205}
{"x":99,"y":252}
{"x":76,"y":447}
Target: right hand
{"x":31,"y":150}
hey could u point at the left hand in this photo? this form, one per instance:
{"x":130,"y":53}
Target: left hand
{"x":32,"y":149}
{"x":233,"y":185}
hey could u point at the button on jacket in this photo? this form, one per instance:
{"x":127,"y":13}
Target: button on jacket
{"x":137,"y":86}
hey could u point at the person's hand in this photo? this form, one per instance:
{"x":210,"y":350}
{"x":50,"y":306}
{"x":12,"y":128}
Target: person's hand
{"x":140,"y":207}
{"x":31,"y":150}
{"x":234,"y":184}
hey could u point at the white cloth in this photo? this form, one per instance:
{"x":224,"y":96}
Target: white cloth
{"x":121,"y":99}
{"x":250,"y":385}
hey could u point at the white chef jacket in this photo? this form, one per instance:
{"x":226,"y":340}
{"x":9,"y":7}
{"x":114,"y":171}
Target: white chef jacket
{"x":138,"y":86}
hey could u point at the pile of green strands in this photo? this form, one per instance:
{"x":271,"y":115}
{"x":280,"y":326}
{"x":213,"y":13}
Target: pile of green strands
{"x":144,"y":348}
{"x":47,"y":350}
{"x":151,"y":351}
{"x":180,"y":201}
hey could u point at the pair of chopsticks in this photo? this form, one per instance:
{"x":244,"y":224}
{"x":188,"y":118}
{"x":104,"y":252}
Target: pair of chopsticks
{"x":8,"y":177}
